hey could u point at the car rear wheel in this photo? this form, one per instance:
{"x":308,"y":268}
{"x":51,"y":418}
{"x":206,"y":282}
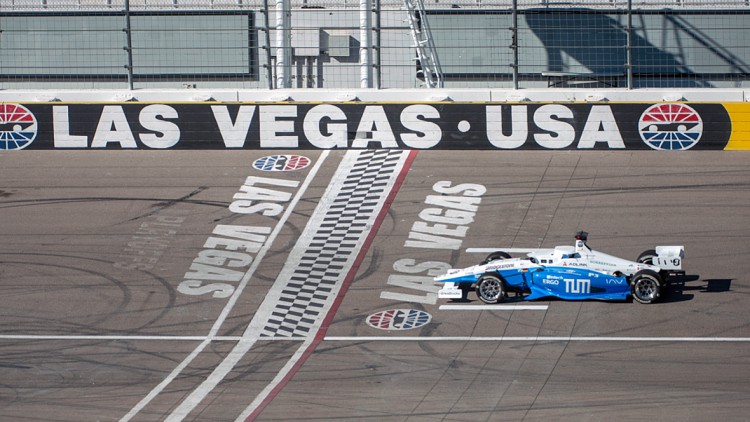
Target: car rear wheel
{"x":495,"y":256}
{"x":646,"y":287}
{"x":490,"y":289}
{"x":647,"y":257}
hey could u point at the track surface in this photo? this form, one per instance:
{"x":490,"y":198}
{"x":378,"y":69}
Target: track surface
{"x":88,"y":335}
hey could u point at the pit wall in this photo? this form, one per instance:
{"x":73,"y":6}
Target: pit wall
{"x":410,"y":119}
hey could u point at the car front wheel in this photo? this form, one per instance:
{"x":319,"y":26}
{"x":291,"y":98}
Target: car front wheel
{"x":646,"y":287}
{"x":495,"y":256}
{"x":490,"y":289}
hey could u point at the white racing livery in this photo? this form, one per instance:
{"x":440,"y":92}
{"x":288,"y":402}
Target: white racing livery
{"x":567,"y":272}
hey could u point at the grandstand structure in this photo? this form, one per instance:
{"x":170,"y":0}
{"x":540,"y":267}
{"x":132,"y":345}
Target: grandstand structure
{"x":258,"y":44}
{"x":51,"y":5}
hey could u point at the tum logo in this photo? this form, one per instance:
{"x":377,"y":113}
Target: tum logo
{"x":582,"y":286}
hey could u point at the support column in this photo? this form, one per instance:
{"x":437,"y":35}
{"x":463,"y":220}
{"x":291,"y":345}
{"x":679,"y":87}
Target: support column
{"x":365,"y":44}
{"x":283,"y":44}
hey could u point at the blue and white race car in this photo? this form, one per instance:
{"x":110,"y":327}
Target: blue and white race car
{"x":566,"y":272}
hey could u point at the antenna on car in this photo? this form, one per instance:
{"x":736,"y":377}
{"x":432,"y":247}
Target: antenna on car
{"x":581,"y":238}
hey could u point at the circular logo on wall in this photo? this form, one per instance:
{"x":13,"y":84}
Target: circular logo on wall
{"x":398,"y":319}
{"x":670,"y":127}
{"x":17,"y":127}
{"x":281,"y":163}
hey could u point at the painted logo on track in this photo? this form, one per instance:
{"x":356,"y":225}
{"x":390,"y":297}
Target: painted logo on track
{"x":17,"y":127}
{"x":398,"y":319}
{"x":281,"y":163}
{"x":670,"y":127}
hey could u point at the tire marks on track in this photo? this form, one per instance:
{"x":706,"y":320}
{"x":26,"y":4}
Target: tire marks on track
{"x":311,"y":284}
{"x":396,"y":170}
{"x":208,"y":385}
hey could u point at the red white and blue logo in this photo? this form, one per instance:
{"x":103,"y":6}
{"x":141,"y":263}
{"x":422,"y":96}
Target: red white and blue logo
{"x":670,"y":127}
{"x":398,"y":319}
{"x":281,"y":163}
{"x":18,"y":127}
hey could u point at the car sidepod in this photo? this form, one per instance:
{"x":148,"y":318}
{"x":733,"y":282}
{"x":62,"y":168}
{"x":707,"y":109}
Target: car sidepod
{"x":576,"y":284}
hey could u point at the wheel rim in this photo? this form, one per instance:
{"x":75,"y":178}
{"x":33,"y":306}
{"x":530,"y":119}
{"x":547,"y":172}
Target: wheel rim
{"x":490,"y":288}
{"x":647,"y":259}
{"x":646,"y":288}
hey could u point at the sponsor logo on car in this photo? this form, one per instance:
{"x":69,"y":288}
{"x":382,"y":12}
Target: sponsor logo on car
{"x":551,"y":281}
{"x":606,"y":264}
{"x":500,"y":267}
{"x":578,"y":286}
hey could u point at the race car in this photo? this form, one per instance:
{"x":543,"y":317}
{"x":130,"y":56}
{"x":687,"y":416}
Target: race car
{"x":566,"y":272}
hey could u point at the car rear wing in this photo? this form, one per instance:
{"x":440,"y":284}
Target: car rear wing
{"x":669,"y":258}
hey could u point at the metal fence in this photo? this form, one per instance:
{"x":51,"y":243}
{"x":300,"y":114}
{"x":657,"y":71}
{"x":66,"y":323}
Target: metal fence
{"x":373,"y":43}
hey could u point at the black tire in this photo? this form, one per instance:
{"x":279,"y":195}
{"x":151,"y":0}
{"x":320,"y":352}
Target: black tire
{"x":646,"y":287}
{"x":495,"y":255}
{"x":490,"y":289}
{"x":647,"y":257}
{"x":465,"y":289}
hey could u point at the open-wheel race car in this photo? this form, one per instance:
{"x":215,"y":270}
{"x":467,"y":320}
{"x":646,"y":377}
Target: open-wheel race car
{"x":566,"y":272}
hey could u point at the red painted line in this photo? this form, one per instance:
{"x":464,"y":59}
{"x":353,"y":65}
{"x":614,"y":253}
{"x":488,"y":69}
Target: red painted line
{"x":320,"y":335}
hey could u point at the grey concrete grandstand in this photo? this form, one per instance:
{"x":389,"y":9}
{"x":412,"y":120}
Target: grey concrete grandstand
{"x":117,"y":44}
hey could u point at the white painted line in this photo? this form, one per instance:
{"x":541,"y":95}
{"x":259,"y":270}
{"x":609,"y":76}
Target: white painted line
{"x":315,"y":221}
{"x":280,"y":376}
{"x":232,"y":300}
{"x":217,"y":375}
{"x":254,"y":329}
{"x":108,"y":337}
{"x":382,"y":338}
{"x":249,"y":338}
{"x":493,"y":307}
{"x":544,"y":338}
{"x":75,"y":337}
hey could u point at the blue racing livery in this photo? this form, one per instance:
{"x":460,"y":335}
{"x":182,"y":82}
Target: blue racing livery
{"x":570,"y":273}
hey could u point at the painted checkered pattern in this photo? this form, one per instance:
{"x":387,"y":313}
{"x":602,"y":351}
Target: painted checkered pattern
{"x":327,"y":249}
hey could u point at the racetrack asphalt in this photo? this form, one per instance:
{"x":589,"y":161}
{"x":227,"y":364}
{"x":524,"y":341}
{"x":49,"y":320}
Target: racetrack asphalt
{"x":117,"y":269}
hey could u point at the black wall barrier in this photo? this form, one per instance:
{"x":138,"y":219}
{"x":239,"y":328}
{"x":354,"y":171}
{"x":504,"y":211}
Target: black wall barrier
{"x":480,"y":126}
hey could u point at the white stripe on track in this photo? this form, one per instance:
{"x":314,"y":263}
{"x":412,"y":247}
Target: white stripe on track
{"x":235,"y":296}
{"x":283,"y":372}
{"x":550,"y":338}
{"x":254,"y":329}
{"x":392,"y":339}
{"x":493,"y":307}
{"x":109,"y":337}
{"x":316,"y":220}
